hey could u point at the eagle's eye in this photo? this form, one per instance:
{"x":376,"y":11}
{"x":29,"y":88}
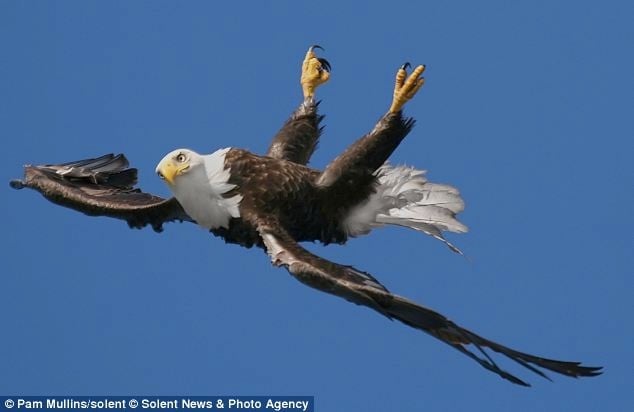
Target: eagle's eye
{"x":160,"y":175}
{"x":180,"y":158}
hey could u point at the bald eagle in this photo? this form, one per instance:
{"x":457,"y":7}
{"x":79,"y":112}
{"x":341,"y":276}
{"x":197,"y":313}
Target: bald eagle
{"x":275,"y":201}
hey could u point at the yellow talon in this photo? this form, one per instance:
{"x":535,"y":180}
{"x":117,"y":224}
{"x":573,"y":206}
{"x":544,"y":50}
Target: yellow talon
{"x":406,"y":87}
{"x":314,"y":72}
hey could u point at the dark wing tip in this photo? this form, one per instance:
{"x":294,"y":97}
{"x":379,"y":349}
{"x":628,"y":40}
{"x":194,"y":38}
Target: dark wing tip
{"x":17,"y":184}
{"x":571,"y":369}
{"x":579,"y":370}
{"x":514,"y":379}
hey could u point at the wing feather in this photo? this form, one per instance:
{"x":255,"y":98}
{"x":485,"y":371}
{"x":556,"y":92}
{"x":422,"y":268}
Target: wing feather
{"x":102,"y":186}
{"x":363,"y":289}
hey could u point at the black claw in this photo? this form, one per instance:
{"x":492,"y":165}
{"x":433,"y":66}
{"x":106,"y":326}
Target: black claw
{"x":316,"y":46}
{"x":406,"y":66}
{"x":325,"y":64}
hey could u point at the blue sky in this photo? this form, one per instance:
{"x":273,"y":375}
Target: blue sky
{"x":527,"y":108}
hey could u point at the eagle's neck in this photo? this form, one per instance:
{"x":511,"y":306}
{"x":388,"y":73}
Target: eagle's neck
{"x":201,"y":192}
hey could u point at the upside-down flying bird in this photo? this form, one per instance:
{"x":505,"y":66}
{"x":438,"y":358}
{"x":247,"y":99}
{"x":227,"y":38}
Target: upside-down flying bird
{"x":275,"y":201}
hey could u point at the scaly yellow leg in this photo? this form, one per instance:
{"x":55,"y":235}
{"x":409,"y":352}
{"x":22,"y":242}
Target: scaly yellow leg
{"x":315,"y":72}
{"x":406,"y":87}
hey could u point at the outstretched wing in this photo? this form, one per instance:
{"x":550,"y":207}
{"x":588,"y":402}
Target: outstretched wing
{"x":361,"y":288}
{"x":103,"y":186}
{"x":297,"y":139}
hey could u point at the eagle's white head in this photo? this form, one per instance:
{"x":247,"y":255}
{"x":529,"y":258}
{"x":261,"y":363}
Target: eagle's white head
{"x":199,"y":183}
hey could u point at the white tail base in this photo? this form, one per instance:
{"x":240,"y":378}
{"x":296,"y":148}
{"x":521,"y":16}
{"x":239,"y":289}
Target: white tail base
{"x":404,"y":197}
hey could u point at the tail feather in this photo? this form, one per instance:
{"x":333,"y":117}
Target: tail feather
{"x":428,"y":229}
{"x":419,"y":216}
{"x":404,"y":197}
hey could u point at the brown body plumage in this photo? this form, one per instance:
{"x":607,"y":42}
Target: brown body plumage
{"x":309,"y":204}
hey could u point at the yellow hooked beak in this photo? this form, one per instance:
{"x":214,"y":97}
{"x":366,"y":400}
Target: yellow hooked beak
{"x":169,"y":170}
